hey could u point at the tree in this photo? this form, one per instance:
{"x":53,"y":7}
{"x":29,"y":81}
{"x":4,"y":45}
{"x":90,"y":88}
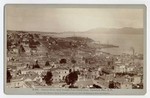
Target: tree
{"x":111,"y":84}
{"x":47,"y":63}
{"x":9,"y":43}
{"x":8,"y":76}
{"x":36,"y":65}
{"x":21,"y":49}
{"x":73,"y":61}
{"x":96,"y":86}
{"x":48,"y":78}
{"x":63,"y":61}
{"x":71,"y":78}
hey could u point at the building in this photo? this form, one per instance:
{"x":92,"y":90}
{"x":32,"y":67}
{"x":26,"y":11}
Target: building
{"x":76,"y":68}
{"x":84,"y":83}
{"x":125,"y":85}
{"x":47,"y":67}
{"x":59,"y":74}
{"x":124,"y":82}
{"x":15,"y":50}
{"x":32,"y":84}
{"x":137,"y":80}
{"x":16,"y":82}
{"x":38,"y":71}
{"x":95,"y":74}
{"x":53,"y":65}
{"x":120,"y":69}
{"x":56,"y":77}
{"x":129,"y":69}
{"x":32,"y":76}
{"x":21,"y":67}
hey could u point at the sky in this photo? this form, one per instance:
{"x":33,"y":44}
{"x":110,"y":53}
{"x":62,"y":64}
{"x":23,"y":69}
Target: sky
{"x":51,"y":19}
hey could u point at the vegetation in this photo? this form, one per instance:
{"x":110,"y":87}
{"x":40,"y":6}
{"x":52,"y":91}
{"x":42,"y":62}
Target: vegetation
{"x":36,"y":65}
{"x":48,"y":78}
{"x":47,"y":63}
{"x":71,"y":78}
{"x":63,"y":61}
{"x":8,"y":76}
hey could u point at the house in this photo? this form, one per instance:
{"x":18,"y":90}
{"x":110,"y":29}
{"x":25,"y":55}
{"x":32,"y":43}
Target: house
{"x":47,"y":67}
{"x":124,"y":82}
{"x":84,"y":83}
{"x":14,"y":73}
{"x":81,"y":78}
{"x":75,"y":68}
{"x":17,"y":82}
{"x":63,"y":73}
{"x":129,"y":69}
{"x":125,"y":85}
{"x":59,"y":74}
{"x":107,"y":71}
{"x":56,"y":77}
{"x":119,"y":68}
{"x":28,"y":50}
{"x":109,"y":77}
{"x":136,"y":80}
{"x":36,"y":70}
{"x":33,"y":77}
{"x":17,"y":63}
{"x":11,"y":67}
{"x":95,"y":74}
{"x":15,"y":50}
{"x":53,"y":65}
{"x":25,"y":39}
{"x":9,"y":59}
{"x":32,"y":84}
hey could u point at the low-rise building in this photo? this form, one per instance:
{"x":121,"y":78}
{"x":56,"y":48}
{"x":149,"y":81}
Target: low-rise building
{"x":126,"y":85}
{"x":136,"y":79}
{"x":120,"y":69}
{"x":16,"y":82}
{"x":124,"y":82}
{"x":59,"y":74}
{"x":37,"y":70}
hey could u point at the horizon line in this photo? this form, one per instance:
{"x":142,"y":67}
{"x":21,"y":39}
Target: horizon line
{"x":74,"y":31}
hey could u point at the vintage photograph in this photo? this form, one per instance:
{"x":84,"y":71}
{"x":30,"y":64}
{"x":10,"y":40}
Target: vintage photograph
{"x":74,"y":47}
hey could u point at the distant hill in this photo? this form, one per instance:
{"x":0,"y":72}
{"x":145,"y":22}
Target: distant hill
{"x":125,"y":30}
{"x":77,"y":38}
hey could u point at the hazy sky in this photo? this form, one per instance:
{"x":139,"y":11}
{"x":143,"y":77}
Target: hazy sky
{"x":45,"y":18}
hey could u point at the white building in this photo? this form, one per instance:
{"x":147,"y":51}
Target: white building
{"x":15,"y":50}
{"x":119,"y":68}
{"x":21,"y":67}
{"x":136,"y":80}
{"x":59,"y":74}
{"x":16,"y":83}
{"x":38,"y":71}
{"x":129,"y":69}
{"x":125,"y":85}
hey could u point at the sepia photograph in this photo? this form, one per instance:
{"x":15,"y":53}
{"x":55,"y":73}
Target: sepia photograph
{"x":75,"y":49}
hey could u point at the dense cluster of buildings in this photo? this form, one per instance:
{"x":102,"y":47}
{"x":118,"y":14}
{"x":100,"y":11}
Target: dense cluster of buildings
{"x":98,"y":68}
